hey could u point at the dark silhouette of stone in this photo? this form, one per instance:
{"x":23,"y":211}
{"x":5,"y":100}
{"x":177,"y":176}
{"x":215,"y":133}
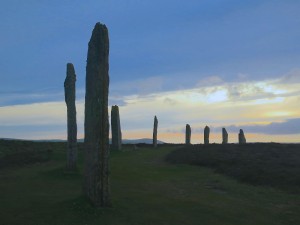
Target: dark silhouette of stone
{"x":155,"y":132}
{"x":188,"y":134}
{"x":70,"y":90}
{"x":242,"y":139}
{"x":224,"y":136}
{"x":206,"y":135}
{"x":96,"y":166}
{"x":116,"y":133}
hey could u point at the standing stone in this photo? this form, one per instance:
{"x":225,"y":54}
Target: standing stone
{"x":96,"y":126}
{"x":155,"y":132}
{"x":206,"y":135}
{"x":224,"y":136}
{"x":242,"y":139}
{"x":69,"y":85}
{"x":116,"y":133}
{"x":188,"y":134}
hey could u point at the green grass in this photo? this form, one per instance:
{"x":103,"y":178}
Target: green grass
{"x":145,"y":190}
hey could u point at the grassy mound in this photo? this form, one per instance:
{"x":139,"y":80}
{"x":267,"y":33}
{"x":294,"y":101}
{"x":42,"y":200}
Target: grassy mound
{"x":18,"y":153}
{"x":276,"y":165}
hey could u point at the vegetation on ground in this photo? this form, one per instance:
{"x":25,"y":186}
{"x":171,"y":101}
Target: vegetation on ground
{"x":145,"y":190}
{"x":272,"y":164}
{"x":18,"y":153}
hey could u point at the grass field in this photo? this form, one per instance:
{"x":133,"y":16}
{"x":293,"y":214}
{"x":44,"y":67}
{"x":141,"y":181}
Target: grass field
{"x":145,"y":190}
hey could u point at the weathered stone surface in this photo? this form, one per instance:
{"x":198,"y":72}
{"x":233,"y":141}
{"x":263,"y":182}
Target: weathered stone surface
{"x":188,"y":134}
{"x":242,"y":139}
{"x":96,"y":125}
{"x":224,"y":136}
{"x":116,"y":133}
{"x":206,"y":135}
{"x":155,"y":132}
{"x":70,"y":96}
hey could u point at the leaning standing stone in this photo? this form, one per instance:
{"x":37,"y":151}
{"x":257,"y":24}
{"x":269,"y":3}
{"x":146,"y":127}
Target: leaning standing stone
{"x":242,"y":139}
{"x":206,"y":135}
{"x":96,"y":125}
{"x":70,"y":90}
{"x":155,"y":132}
{"x":224,"y":136}
{"x":188,"y":134}
{"x":116,"y":133}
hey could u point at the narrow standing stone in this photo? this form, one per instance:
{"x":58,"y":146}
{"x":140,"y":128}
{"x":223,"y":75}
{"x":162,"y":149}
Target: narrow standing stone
{"x":96,"y":125}
{"x":206,"y":135}
{"x":242,"y":139}
{"x":188,"y":134}
{"x":116,"y":133}
{"x":70,"y":90}
{"x":155,"y":132}
{"x":224,"y":136}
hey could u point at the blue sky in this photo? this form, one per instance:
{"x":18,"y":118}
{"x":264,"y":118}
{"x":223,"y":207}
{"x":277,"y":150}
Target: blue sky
{"x":156,"y":48}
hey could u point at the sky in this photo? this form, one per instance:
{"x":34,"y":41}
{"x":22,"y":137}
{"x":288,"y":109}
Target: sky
{"x":221,"y":63}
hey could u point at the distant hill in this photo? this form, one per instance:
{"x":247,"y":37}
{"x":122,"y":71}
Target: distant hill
{"x":135,"y":141}
{"x":140,"y":141}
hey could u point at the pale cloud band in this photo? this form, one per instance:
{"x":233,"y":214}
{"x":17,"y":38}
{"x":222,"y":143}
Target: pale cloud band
{"x":268,"y":107}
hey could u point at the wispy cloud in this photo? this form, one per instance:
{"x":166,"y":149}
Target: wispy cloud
{"x":270,"y":107}
{"x":239,"y":103}
{"x":140,"y":87}
{"x":47,"y":113}
{"x":210,"y":81}
{"x":290,"y":78}
{"x":25,"y":97}
{"x":38,"y":120}
{"x":290,"y":126}
{"x":22,"y":97}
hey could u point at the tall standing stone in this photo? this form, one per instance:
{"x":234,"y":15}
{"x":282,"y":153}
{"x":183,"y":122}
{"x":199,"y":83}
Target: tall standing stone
{"x":188,"y":134}
{"x":155,"y":132}
{"x":242,"y":139}
{"x":96,"y":125}
{"x":70,"y":90}
{"x":116,"y":133}
{"x":206,"y":135}
{"x":224,"y":136}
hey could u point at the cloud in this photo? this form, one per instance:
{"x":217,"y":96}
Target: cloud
{"x":210,"y":87}
{"x":48,"y":113}
{"x":224,"y":104}
{"x":139,"y":87}
{"x":291,"y":78}
{"x":242,"y":77}
{"x":33,"y":132}
{"x":209,"y":81}
{"x":25,"y":97}
{"x":170,"y":101}
{"x":116,"y":100}
{"x":22,"y":97}
{"x":250,"y":91}
{"x":290,"y":126}
{"x":38,"y":120}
